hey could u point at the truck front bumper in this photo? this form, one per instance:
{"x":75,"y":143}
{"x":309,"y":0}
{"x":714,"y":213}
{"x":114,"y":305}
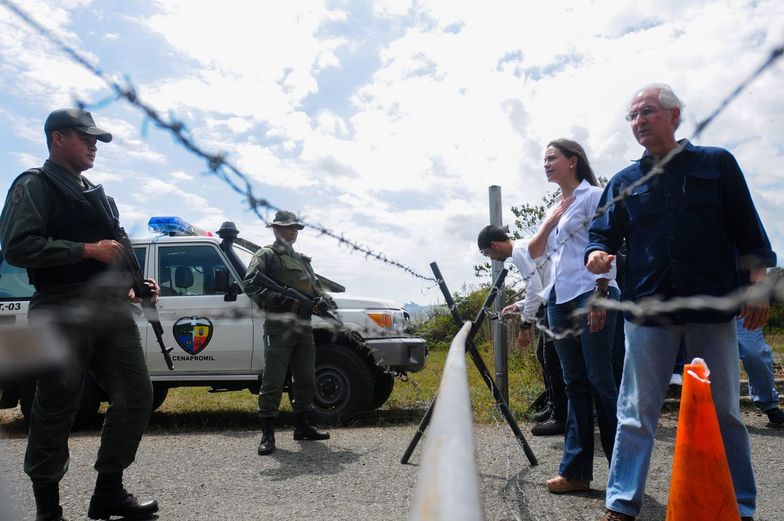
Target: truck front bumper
{"x":399,"y":354}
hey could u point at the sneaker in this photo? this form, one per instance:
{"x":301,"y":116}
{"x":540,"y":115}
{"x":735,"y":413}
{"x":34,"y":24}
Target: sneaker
{"x":775,"y":417}
{"x":611,"y":515}
{"x":551,"y":427}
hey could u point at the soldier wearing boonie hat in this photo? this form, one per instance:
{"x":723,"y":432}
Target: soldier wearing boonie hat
{"x":48,"y":227}
{"x":285,"y":218}
{"x":287,"y":343}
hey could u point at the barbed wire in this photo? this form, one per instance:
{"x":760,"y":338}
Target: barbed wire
{"x":218,"y":163}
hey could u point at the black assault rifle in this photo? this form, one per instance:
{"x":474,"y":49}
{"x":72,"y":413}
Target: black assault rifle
{"x":308,"y":305}
{"x":108,"y":214}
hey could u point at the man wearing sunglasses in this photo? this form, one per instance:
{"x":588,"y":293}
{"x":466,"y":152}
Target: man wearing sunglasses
{"x":688,"y":230}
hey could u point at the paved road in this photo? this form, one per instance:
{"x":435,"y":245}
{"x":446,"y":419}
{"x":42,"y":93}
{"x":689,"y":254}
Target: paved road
{"x":215,"y":474}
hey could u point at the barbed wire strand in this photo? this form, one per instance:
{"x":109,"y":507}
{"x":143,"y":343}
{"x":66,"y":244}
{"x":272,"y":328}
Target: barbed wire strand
{"x":218,"y":163}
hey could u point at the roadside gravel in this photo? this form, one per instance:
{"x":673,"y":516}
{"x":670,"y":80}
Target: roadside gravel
{"x":216,"y":475}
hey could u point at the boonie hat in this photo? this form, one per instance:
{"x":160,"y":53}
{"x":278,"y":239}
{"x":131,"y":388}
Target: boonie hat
{"x":285,"y":218}
{"x":78,"y":119}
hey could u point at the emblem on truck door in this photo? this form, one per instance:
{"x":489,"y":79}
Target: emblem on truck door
{"x":193,"y":333}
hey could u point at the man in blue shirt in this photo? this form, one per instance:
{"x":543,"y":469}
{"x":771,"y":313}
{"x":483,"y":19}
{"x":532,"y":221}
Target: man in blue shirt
{"x":688,"y":231}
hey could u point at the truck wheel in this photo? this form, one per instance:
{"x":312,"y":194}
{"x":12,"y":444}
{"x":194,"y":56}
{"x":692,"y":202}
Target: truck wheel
{"x":88,"y":406}
{"x":382,"y":389}
{"x":158,"y":396}
{"x":344,"y":384}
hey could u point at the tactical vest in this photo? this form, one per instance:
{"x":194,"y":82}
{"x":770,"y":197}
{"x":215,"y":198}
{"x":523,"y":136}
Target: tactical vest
{"x":292,"y":271}
{"x":71,"y":218}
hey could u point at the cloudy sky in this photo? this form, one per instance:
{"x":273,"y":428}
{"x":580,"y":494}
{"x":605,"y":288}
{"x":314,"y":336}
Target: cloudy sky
{"x":386,"y":121}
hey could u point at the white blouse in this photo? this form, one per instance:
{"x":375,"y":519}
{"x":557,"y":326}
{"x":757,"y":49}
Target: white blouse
{"x":568,"y":273}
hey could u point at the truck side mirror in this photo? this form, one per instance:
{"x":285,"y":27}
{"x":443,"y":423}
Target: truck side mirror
{"x":223,"y":284}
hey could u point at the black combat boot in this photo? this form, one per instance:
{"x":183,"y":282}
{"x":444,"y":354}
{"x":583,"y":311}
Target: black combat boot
{"x":267,"y":445}
{"x":304,"y":430}
{"x":47,"y":502}
{"x":111,"y":499}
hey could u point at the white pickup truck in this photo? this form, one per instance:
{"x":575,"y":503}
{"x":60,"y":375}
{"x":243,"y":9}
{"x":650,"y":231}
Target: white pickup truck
{"x":217,"y":331}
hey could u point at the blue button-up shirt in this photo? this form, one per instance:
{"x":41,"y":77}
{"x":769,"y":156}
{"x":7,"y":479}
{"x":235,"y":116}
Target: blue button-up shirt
{"x":688,"y":230}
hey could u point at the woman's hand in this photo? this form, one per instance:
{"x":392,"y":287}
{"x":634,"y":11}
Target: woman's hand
{"x":558,"y":211}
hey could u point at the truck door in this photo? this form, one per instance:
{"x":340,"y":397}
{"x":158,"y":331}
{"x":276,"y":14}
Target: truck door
{"x":210,"y":333}
{"x":15,"y":294}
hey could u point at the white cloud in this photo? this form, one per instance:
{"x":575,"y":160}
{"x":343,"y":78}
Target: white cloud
{"x":182,"y":176}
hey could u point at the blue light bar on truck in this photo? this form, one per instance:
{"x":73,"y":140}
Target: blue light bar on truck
{"x":170,"y":226}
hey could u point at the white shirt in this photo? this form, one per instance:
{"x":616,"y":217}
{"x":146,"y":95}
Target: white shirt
{"x":538,"y":278}
{"x":568,"y":273}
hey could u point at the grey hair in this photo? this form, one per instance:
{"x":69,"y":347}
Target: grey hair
{"x":667,"y":99}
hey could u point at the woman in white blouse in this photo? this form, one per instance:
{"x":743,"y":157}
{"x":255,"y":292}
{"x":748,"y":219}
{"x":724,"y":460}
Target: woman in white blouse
{"x":586,"y":351}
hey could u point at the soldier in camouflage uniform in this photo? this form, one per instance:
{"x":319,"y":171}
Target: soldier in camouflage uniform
{"x":288,"y":338}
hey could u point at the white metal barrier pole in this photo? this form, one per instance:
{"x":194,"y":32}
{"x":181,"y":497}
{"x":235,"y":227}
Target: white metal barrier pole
{"x":447,"y":487}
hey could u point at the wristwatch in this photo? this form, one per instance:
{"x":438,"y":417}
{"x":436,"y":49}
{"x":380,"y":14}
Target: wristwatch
{"x":601,"y":291}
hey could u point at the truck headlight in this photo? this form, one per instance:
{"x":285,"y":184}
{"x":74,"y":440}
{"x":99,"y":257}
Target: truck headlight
{"x":383,"y":319}
{"x":393,"y":320}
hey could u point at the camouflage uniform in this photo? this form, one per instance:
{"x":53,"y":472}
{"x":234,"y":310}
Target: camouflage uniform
{"x":287,"y":342}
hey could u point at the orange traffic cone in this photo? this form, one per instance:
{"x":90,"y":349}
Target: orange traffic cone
{"x":701,"y":486}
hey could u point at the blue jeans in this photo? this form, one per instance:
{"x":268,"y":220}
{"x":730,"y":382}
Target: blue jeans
{"x":757,"y":360}
{"x":587,"y":366}
{"x":650,"y":355}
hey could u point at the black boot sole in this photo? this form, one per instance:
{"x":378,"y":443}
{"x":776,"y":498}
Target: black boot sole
{"x":132,"y":517}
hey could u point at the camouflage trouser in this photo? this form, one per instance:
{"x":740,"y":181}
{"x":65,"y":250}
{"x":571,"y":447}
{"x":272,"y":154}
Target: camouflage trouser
{"x":284,"y":348}
{"x":116,"y":360}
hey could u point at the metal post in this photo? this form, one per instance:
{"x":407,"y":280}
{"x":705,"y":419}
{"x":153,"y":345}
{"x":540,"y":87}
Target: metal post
{"x":499,"y":331}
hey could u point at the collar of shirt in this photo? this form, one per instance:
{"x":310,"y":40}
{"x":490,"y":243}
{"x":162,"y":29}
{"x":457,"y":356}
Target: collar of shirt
{"x":647,"y":161}
{"x":568,"y":273}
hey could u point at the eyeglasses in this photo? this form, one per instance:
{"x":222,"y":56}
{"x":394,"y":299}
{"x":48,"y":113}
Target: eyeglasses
{"x":644,"y":112}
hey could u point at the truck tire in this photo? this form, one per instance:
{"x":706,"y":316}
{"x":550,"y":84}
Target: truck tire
{"x":344,"y":384}
{"x":382,"y":389}
{"x":159,"y":394}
